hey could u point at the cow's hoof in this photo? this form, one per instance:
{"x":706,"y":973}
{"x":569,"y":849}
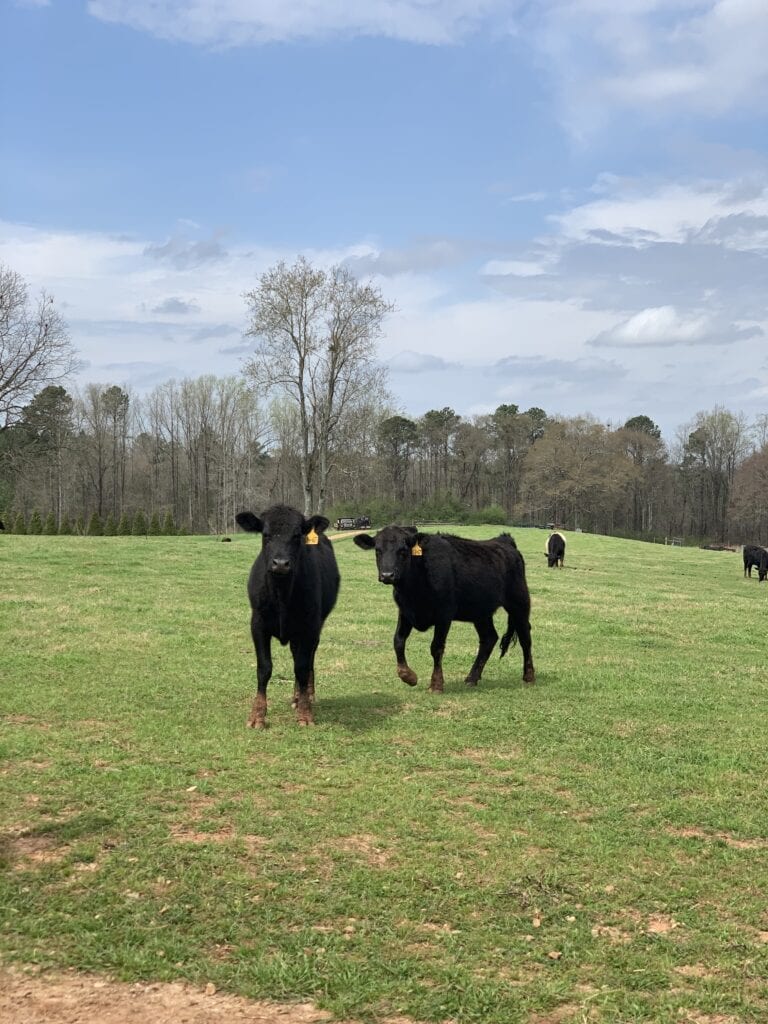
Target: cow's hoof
{"x":529,"y":678}
{"x":434,"y":689}
{"x":257,"y":723}
{"x":408,"y":676}
{"x":470,"y":681}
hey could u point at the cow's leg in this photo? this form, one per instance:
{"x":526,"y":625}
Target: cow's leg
{"x":402,"y":632}
{"x":437,"y":647}
{"x":303,"y":652}
{"x":311,"y":686}
{"x":523,"y":629}
{"x":488,"y":636}
{"x":262,"y":641}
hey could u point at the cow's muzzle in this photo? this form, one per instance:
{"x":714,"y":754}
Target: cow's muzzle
{"x":387,"y":577}
{"x":280,"y":566}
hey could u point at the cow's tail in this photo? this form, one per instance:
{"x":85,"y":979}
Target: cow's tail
{"x":509,"y":639}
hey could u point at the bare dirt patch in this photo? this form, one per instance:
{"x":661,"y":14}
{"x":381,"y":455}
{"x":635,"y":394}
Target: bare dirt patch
{"x":84,"y":999}
{"x":560,"y":1014}
{"x":661,"y":924}
{"x":365,"y":847}
{"x":27,"y":852}
{"x":615,"y":935}
{"x":184,"y":834}
{"x":31,"y":997}
{"x":695,"y":971}
{"x":729,"y":840}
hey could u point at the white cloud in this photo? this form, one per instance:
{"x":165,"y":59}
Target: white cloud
{"x":659,"y":56}
{"x":248,"y":22}
{"x":640,"y":212}
{"x":665,"y":326}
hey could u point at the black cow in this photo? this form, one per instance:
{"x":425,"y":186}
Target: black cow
{"x":439,"y":578}
{"x":2,"y":525}
{"x":755,"y":555}
{"x":292,"y":588}
{"x":555,"y":550}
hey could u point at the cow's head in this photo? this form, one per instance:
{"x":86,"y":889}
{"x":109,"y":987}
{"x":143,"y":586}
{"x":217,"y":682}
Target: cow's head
{"x":395,"y":546}
{"x":284,"y":531}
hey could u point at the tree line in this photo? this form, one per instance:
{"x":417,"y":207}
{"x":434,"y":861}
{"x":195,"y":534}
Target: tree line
{"x":191,"y":454}
{"x":310,"y":422}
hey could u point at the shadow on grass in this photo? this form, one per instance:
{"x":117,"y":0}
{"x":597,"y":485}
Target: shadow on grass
{"x":79,"y":827}
{"x":362,"y":712}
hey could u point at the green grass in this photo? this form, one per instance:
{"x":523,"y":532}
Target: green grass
{"x":594,"y":847}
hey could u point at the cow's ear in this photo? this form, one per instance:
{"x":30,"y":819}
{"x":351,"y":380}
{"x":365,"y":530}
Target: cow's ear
{"x":364,"y":541}
{"x":248,"y":521}
{"x":316,"y":523}
{"x":411,"y":535}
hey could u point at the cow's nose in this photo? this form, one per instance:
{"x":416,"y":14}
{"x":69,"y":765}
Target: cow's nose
{"x":280,"y":565}
{"x":387,"y":577}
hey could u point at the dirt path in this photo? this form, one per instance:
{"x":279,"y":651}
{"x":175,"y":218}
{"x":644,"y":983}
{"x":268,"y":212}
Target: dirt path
{"x":70,"y":998}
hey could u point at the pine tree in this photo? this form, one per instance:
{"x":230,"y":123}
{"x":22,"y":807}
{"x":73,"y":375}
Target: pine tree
{"x":110,"y":526}
{"x":95,"y":529}
{"x":124,"y":526}
{"x":35,"y":524}
{"x":80,"y":526}
{"x":154,"y":525}
{"x":169,"y":528}
{"x":20,"y":525}
{"x":49,"y":527}
{"x":65,"y":529}
{"x":139,"y":528}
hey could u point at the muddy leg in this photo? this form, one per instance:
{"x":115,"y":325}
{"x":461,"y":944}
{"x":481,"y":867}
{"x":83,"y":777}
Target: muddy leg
{"x":263,"y":643}
{"x":437,"y":647}
{"x":402,"y":632}
{"x":302,"y":666}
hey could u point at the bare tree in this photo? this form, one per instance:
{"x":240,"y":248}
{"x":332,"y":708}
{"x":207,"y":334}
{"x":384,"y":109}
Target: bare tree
{"x":35,"y":349}
{"x":315,"y":334}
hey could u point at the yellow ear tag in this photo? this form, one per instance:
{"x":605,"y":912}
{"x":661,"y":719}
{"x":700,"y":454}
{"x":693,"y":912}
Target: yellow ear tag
{"x":312,"y":537}
{"x":416,"y":550}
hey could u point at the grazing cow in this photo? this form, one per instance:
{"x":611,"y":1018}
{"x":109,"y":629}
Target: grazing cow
{"x":439,"y":578}
{"x":292,"y":588}
{"x":555,"y":550}
{"x":757,"y":556}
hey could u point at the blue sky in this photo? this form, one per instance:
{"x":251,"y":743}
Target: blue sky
{"x":567,"y":200}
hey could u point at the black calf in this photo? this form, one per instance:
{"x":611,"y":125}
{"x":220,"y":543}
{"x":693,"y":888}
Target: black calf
{"x":757,"y":556}
{"x":292,"y":588}
{"x":438,"y":579}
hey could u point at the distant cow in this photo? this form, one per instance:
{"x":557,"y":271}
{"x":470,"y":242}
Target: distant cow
{"x":292,"y":588}
{"x":439,"y":578}
{"x":555,"y":550}
{"x":2,"y":525}
{"x":755,"y":555}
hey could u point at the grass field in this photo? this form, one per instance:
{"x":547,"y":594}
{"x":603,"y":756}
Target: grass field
{"x":594,"y":847}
